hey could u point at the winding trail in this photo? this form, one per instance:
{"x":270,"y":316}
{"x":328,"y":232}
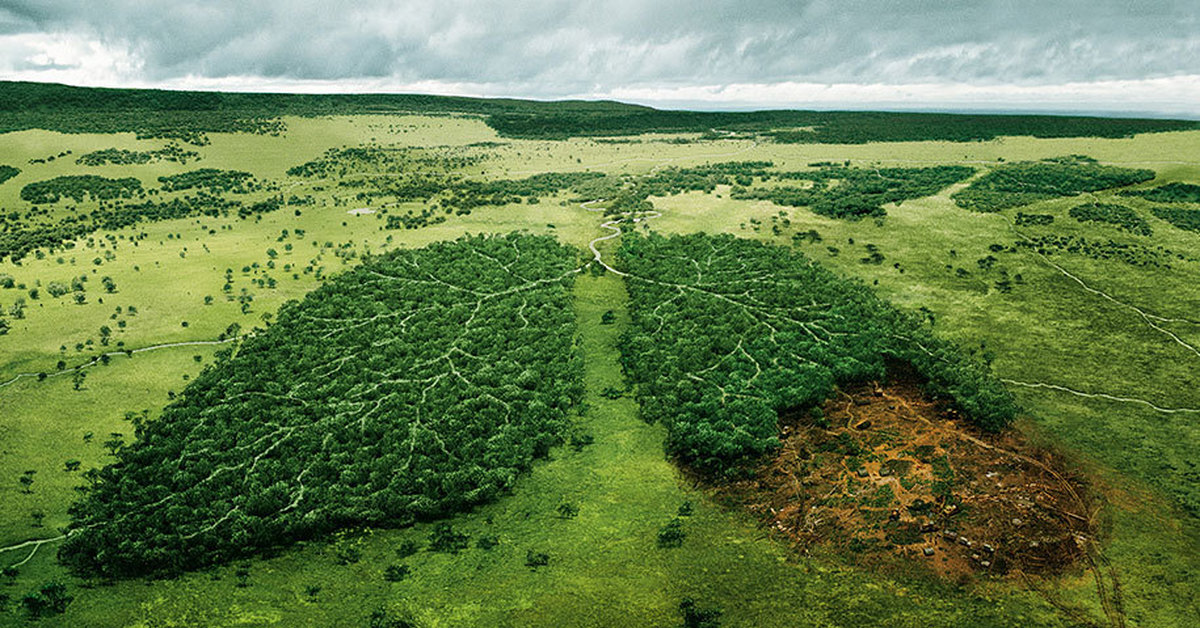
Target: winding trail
{"x":1080,"y":393}
{"x":113,"y":354}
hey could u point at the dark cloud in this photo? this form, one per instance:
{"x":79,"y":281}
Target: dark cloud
{"x":546,"y":48}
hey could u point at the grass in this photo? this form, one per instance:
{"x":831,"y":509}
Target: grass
{"x":604,"y":566}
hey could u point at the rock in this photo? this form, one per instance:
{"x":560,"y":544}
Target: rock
{"x":929,"y":526}
{"x":985,"y":564}
{"x":862,"y":426}
{"x":1017,"y":522}
{"x":989,"y":549}
{"x":891,"y":406}
{"x":949,"y":535}
{"x":884,"y":471}
{"x":894,"y":515}
{"x":862,"y":473}
{"x":964,"y":541}
{"x":928,"y":551}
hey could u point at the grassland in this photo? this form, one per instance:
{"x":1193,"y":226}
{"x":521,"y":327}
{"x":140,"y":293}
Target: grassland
{"x":1101,"y":354}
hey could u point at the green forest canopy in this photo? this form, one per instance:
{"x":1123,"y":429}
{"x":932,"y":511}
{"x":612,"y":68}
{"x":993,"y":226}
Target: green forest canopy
{"x":726,"y":333}
{"x":416,"y":385}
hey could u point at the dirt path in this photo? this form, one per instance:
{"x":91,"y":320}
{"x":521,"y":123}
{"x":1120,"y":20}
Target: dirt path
{"x":1107,"y":396}
{"x":113,"y":354}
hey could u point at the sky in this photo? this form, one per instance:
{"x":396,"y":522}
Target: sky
{"x":1101,"y":56}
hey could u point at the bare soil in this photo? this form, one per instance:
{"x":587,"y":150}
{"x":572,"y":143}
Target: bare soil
{"x":889,"y":474}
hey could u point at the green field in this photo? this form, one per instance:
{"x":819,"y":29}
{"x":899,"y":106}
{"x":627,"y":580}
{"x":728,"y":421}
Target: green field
{"x":1099,"y":343}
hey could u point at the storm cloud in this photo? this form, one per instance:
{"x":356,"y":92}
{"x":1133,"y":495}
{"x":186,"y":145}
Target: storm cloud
{"x":1066,"y":54}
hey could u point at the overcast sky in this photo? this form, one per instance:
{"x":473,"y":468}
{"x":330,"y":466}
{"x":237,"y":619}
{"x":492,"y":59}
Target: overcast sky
{"x":1065,"y":55}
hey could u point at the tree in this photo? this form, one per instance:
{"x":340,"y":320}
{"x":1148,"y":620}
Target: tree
{"x":77,"y":378}
{"x":26,"y":481}
{"x":51,"y":599}
{"x":110,"y":286}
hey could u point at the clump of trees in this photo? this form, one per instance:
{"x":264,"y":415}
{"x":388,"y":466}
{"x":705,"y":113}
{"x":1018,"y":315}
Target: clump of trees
{"x":79,"y":187}
{"x":416,"y":385}
{"x":1174,"y":192}
{"x":726,"y":333}
{"x":1022,"y":183}
{"x":1186,"y":219}
{"x":212,"y":180}
{"x":122,"y":157}
{"x":7,"y":172}
{"x":1132,"y":254}
{"x":1119,"y":216}
{"x":844,"y":192}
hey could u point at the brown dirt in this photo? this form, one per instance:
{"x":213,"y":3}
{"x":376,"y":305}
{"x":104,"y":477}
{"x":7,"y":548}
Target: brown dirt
{"x":891,"y":474}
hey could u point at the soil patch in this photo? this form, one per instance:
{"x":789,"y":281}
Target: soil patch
{"x":886,"y":473}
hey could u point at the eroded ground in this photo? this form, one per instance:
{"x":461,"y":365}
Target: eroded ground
{"x":886,"y":472}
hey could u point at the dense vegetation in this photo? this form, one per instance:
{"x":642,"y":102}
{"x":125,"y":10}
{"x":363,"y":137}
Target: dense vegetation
{"x":8,"y":172}
{"x":122,"y":157}
{"x":80,"y":187}
{"x":17,"y":241}
{"x":1119,"y":216}
{"x":727,"y":333}
{"x":1174,"y":192}
{"x":842,"y":192}
{"x":1017,"y":184}
{"x":210,"y":179}
{"x":416,"y":385}
{"x":190,"y":115}
{"x":819,"y":127}
{"x":1187,"y":219}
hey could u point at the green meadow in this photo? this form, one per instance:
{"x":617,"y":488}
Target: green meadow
{"x":1101,"y":354}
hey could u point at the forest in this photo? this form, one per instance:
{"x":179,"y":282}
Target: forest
{"x":837,"y":127}
{"x":416,"y":385}
{"x":1022,"y":183}
{"x":189,"y":116}
{"x":727,"y":333}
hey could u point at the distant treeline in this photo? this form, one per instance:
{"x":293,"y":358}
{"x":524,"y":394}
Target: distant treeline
{"x":190,"y":115}
{"x":819,"y":127}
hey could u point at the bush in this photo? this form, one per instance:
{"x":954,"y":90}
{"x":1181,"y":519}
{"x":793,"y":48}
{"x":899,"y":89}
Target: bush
{"x":671,"y":534}
{"x":51,"y":599}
